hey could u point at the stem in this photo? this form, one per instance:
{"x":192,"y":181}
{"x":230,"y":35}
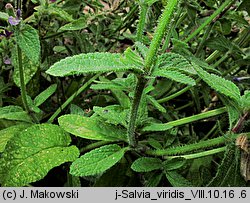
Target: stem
{"x":210,"y":18}
{"x":142,"y":21}
{"x":70,"y":99}
{"x":172,"y":96}
{"x":134,"y":111}
{"x":195,"y":147}
{"x":95,"y":145}
{"x":197,"y":117}
{"x":22,"y":83}
{"x":172,"y":27}
{"x":159,"y":33}
{"x":190,"y":147}
{"x":200,"y":154}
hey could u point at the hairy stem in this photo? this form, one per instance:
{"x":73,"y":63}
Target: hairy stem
{"x":23,"y":86}
{"x":142,"y":21}
{"x":22,"y":83}
{"x":180,"y":150}
{"x":70,"y":99}
{"x":164,"y":21}
{"x":134,"y":111}
{"x":197,"y":117}
{"x":200,"y":154}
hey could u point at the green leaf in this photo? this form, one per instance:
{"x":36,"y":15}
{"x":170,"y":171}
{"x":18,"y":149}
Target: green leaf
{"x":91,"y":128}
{"x":150,"y":2}
{"x":156,"y":104}
{"x":157,"y":127}
{"x":154,"y":143}
{"x":142,"y":49}
{"x":222,"y":44}
{"x":97,"y":161}
{"x":30,"y":155}
{"x":174,"y":164}
{"x":29,"y":68}
{"x":131,"y":57}
{"x":7,"y":133}
{"x":245,"y":101}
{"x":90,"y":63}
{"x":114,"y":114}
{"x":59,"y":12}
{"x":228,"y":173}
{"x":44,"y":95}
{"x":175,"y":62}
{"x":74,"y":109}
{"x":4,"y":16}
{"x":78,"y":24}
{"x":177,"y":180}
{"x":175,"y":75}
{"x":154,"y":179}
{"x":113,"y":179}
{"x":218,"y":83}
{"x":233,"y":113}
{"x":122,"y":98}
{"x":14,"y":113}
{"x":146,"y":164}
{"x":28,"y":40}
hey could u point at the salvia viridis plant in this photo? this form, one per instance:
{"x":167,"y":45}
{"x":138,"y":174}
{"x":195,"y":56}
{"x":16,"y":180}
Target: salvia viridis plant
{"x":124,"y":93}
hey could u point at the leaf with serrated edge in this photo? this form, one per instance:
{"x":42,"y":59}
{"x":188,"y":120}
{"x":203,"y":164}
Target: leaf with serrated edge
{"x":28,"y":40}
{"x":174,"y":164}
{"x":175,"y":75}
{"x":30,"y":155}
{"x":146,"y":164}
{"x":97,"y":161}
{"x":91,"y":128}
{"x":218,"y":83}
{"x":90,"y":63}
{"x":177,"y":180}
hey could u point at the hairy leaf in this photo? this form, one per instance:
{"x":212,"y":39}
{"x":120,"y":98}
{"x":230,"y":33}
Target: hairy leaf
{"x":245,"y":100}
{"x":7,"y":133}
{"x":174,"y":164}
{"x":218,"y":83}
{"x":78,"y":24}
{"x":154,"y":179}
{"x":114,"y":114}
{"x":175,"y":75}
{"x":91,"y":128}
{"x":29,"y":68}
{"x":97,"y":161}
{"x":43,"y":96}
{"x":131,"y":57}
{"x":90,"y":63}
{"x":157,"y":127}
{"x":177,"y":180}
{"x":14,"y":113}
{"x":30,"y":155}
{"x":142,"y":49}
{"x":156,"y":104}
{"x":228,"y":173}
{"x":174,"y":61}
{"x":222,"y":44}
{"x":146,"y":164}
{"x":28,"y":40}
